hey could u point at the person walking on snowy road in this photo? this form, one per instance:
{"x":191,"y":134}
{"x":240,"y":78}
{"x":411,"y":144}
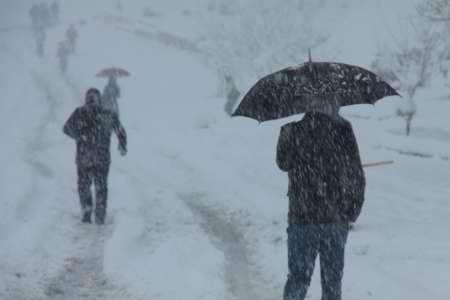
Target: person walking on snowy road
{"x":232,"y":94}
{"x":72,"y":37}
{"x":64,"y":50}
{"x":111,"y":93}
{"x":91,"y":127}
{"x":326,"y":194}
{"x":54,"y":10}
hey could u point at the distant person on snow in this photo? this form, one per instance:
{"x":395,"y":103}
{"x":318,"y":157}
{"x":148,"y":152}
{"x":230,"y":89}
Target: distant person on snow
{"x":44,"y":15}
{"x":91,"y":127}
{"x":72,"y":36}
{"x":232,"y":94}
{"x":326,"y":194}
{"x":119,"y":6}
{"x":38,"y":26}
{"x":40,"y":37}
{"x":54,"y":9}
{"x":34,"y":15}
{"x":64,"y":50}
{"x":111,"y":93}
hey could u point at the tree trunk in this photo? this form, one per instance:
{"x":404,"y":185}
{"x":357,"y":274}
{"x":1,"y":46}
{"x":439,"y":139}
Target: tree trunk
{"x":408,"y":125}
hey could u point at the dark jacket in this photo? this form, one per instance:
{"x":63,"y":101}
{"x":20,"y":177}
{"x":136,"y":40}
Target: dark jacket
{"x":326,"y":179}
{"x":91,"y":126}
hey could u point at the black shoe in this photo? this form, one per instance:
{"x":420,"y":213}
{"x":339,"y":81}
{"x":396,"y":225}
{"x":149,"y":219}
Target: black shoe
{"x":86,"y":217}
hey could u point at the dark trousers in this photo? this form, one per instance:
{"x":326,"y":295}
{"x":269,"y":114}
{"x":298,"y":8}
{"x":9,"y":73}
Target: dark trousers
{"x":305,"y":242}
{"x":97,"y":174}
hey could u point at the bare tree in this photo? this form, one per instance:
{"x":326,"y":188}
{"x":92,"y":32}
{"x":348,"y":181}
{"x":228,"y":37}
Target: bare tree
{"x":435,"y":10}
{"x":409,"y":67}
{"x":407,"y":112}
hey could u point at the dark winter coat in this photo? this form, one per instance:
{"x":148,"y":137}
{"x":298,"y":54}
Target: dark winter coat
{"x":326,"y":179}
{"x":91,"y":126}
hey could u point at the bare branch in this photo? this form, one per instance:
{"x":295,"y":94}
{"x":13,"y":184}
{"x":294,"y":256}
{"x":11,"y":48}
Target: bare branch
{"x":435,"y":10}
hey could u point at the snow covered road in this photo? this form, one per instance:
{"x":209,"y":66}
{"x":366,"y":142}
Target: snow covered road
{"x":197,"y":208}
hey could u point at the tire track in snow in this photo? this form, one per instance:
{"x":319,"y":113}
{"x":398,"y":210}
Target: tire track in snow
{"x":37,"y":145}
{"x":82,"y":277}
{"x":75,"y":89}
{"x":34,"y":148}
{"x":242,"y":277}
{"x":228,"y":238}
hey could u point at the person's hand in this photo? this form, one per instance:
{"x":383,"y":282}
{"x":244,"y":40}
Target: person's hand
{"x":122,"y":151}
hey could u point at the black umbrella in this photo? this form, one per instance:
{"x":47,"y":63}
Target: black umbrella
{"x":288,"y":91}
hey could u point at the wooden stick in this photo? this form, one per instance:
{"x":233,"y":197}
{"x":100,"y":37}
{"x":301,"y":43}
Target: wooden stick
{"x":379,"y":163}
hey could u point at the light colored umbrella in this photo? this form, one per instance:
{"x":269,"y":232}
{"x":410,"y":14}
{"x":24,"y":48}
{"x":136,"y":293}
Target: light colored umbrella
{"x":113,"y":72}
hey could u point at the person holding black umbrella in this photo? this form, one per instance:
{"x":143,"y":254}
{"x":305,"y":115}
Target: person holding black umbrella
{"x":326,"y":194}
{"x":321,"y":157}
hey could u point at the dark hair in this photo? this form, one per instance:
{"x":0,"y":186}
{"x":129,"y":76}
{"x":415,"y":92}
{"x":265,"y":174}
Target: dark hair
{"x":89,"y":98}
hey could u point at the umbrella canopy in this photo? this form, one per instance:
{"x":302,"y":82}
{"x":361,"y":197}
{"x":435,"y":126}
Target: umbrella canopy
{"x":289,"y":91}
{"x":113,"y":72}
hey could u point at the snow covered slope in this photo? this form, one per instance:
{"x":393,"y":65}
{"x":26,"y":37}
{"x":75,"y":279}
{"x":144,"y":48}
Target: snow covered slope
{"x":197,"y":210}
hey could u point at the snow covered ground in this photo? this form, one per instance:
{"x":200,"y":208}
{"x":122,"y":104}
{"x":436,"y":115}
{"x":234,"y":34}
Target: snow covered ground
{"x":197,"y":210}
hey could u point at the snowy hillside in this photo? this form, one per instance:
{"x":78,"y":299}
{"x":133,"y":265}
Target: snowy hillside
{"x":197,"y":209}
